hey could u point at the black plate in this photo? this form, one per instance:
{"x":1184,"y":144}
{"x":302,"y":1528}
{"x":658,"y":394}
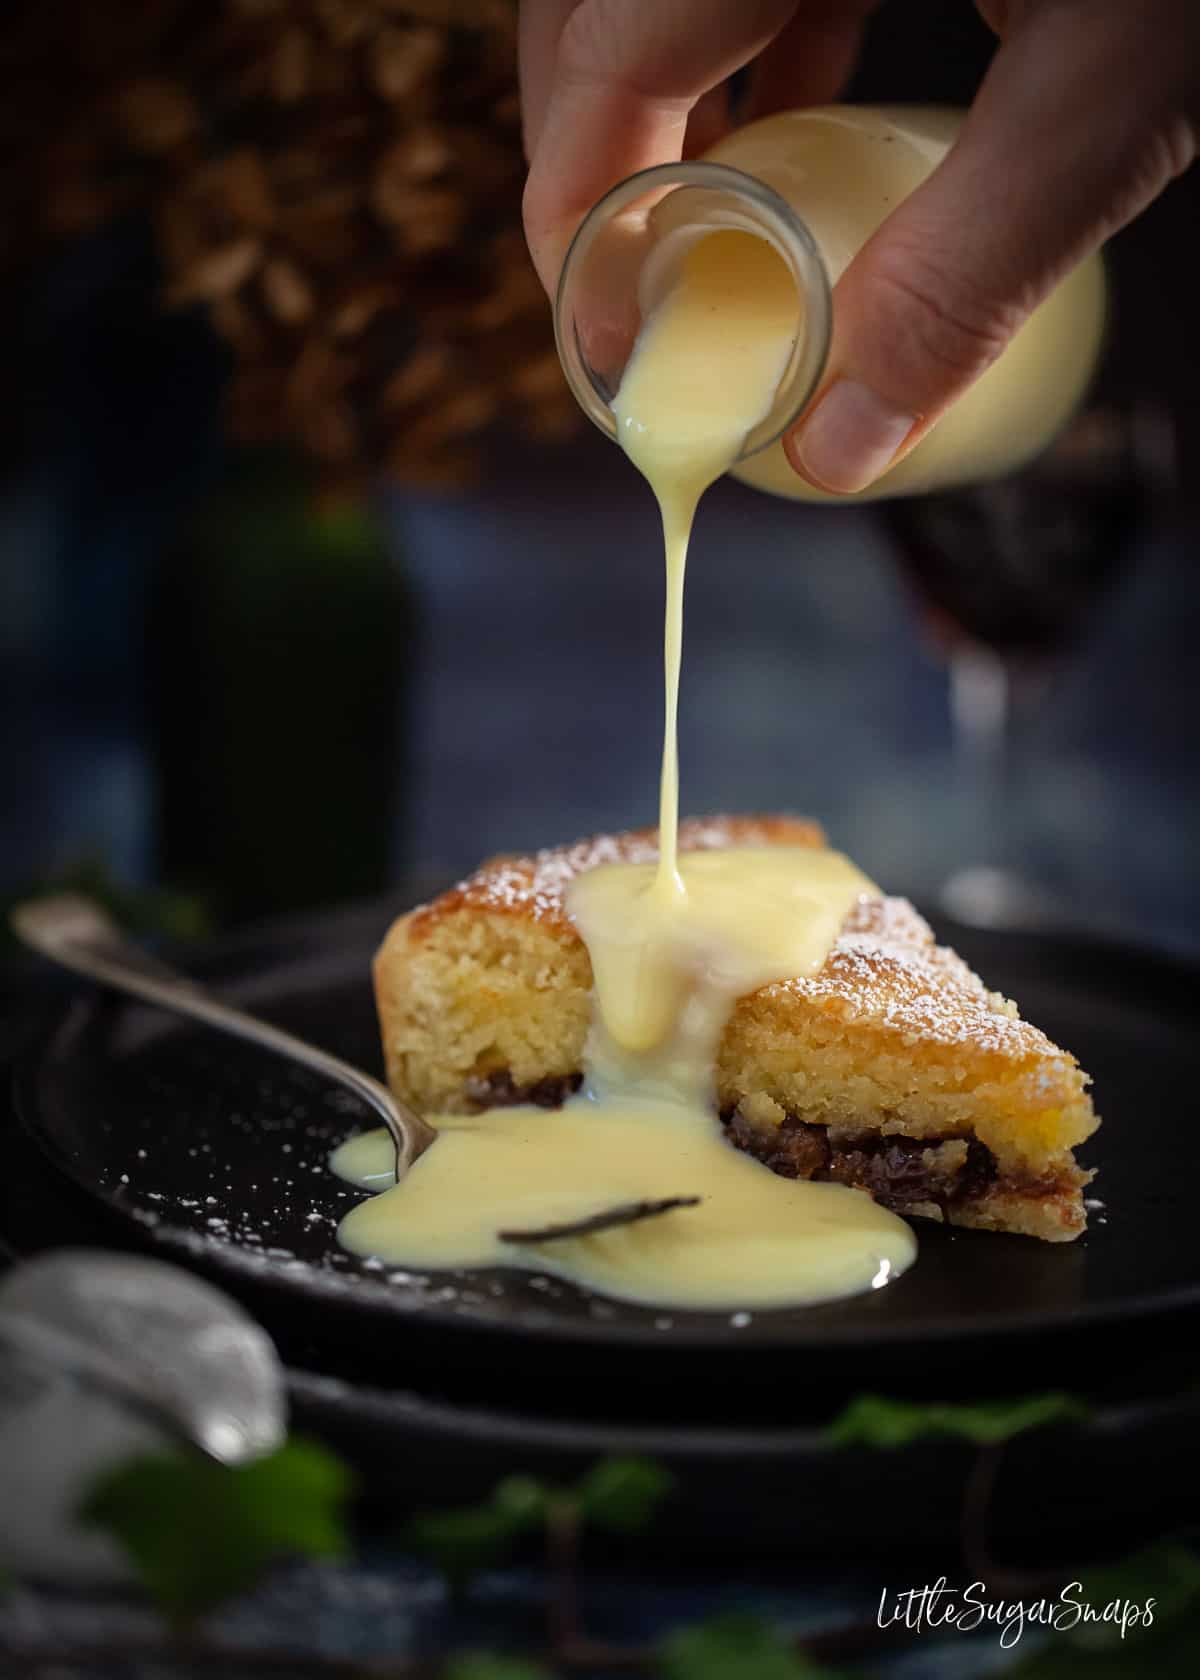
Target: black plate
{"x":217,"y":1153}
{"x":1127,"y":1472}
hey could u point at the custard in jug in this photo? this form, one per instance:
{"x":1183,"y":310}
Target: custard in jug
{"x":815,"y":184}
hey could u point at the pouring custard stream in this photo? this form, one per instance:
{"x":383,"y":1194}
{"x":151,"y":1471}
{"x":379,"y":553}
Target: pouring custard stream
{"x":703,"y":374}
{"x":673,"y":945}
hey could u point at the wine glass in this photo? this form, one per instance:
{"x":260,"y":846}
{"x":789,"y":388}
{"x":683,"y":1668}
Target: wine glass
{"x":1007,"y":577}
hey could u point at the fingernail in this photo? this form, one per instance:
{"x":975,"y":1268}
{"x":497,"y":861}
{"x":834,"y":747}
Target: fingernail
{"x":849,"y":438}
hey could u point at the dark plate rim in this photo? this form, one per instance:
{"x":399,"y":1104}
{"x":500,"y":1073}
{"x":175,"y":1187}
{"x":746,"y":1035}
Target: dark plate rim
{"x":519,"y":1427}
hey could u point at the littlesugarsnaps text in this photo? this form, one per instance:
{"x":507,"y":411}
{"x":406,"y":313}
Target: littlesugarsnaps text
{"x":939,"y":1607}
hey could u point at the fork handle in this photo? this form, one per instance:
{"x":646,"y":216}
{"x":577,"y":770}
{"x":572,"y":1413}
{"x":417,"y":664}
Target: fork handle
{"x":95,"y":947}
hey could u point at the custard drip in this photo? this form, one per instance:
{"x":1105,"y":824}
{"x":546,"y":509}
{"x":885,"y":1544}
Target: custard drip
{"x":755,"y":1240}
{"x":673,"y":942}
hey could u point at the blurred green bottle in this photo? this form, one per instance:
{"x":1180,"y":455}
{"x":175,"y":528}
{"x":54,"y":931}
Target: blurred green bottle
{"x":281,"y":642}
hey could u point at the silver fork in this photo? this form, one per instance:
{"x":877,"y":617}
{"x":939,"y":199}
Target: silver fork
{"x":77,"y":934}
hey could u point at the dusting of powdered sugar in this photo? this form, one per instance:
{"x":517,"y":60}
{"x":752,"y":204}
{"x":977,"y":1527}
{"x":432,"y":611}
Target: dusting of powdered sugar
{"x":536,"y":884}
{"x":885,"y":967}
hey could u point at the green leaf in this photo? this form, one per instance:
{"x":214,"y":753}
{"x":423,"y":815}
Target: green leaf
{"x":1165,"y":1579}
{"x":1167,"y":1573}
{"x":735,"y":1646}
{"x":620,"y":1494}
{"x":623,"y":1494}
{"x":1170,"y":1653}
{"x":157,"y":911}
{"x":522,"y":1500}
{"x":199,"y":1532}
{"x":874,"y":1421}
{"x":469,"y":1537}
{"x":462,"y":1542}
{"x":482,"y":1665}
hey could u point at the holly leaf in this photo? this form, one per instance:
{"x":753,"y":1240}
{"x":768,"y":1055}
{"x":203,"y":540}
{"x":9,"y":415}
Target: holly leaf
{"x":621,"y":1495}
{"x":872,"y":1420}
{"x":483,"y":1665}
{"x":735,"y":1646}
{"x":467,"y":1538}
{"x":199,"y":1532}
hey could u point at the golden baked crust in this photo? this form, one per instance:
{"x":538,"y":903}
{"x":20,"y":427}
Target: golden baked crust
{"x":893,"y":1067}
{"x":493,"y":979}
{"x":533,"y":884}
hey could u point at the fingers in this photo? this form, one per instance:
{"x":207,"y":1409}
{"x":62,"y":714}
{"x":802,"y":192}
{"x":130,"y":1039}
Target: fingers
{"x":708,"y":121}
{"x":1086,"y":114}
{"x":541,"y":24}
{"x":810,"y":61}
{"x":626,"y":76}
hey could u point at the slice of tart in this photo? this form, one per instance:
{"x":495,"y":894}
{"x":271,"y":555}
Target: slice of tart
{"x":892,"y":1069}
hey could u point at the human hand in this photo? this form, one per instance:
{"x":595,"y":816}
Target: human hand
{"x":1088,"y":110}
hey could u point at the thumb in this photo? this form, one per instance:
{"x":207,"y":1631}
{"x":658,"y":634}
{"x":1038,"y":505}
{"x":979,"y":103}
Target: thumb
{"x":1080,"y":123}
